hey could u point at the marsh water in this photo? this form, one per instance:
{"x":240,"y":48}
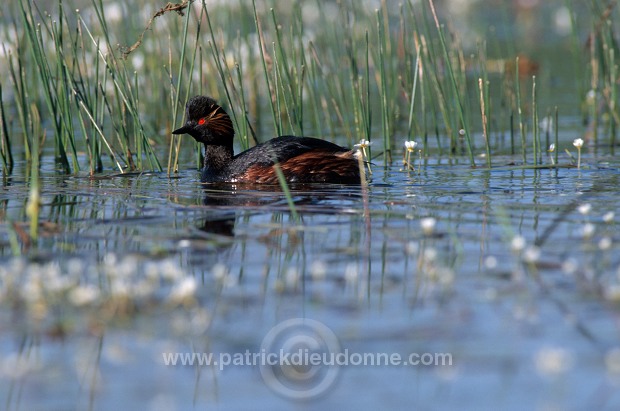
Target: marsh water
{"x":513,"y":272}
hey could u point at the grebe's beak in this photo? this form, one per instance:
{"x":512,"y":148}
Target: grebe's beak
{"x":183,"y":130}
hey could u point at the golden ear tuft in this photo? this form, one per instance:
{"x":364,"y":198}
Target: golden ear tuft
{"x":219,"y":122}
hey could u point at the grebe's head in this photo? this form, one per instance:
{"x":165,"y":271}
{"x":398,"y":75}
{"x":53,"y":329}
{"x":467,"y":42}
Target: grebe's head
{"x":207,"y":122}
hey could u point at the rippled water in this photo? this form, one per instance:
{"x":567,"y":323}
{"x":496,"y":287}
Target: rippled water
{"x":513,"y":272}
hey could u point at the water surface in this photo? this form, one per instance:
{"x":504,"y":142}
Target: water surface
{"x":513,"y":272}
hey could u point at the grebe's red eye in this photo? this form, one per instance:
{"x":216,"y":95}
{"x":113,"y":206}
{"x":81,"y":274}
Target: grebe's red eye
{"x":202,"y":121}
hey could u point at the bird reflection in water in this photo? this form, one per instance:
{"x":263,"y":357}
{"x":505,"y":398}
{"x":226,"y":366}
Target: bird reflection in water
{"x":229,"y":200}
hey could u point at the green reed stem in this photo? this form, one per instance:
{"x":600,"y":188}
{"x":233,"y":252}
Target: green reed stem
{"x":261,"y":44}
{"x":244,"y":125}
{"x":103,"y":137}
{"x":98,"y":111}
{"x":276,"y":87}
{"x":594,"y":86}
{"x":383,"y":86}
{"x":5,"y":151}
{"x":368,"y":115}
{"x":287,"y":85}
{"x":90,"y":95}
{"x":281,"y":93}
{"x":313,"y":83}
{"x":33,"y":206}
{"x":484,"y":114}
{"x":64,"y":80}
{"x":519,"y":111}
{"x":439,"y":100}
{"x":413,"y":92}
{"x":300,"y":69}
{"x":613,"y":97}
{"x":557,"y":132}
{"x":221,"y":65}
{"x":424,"y":92}
{"x":203,"y":11}
{"x":17,"y":79}
{"x":512,"y":133}
{"x":287,"y":191}
{"x":577,"y":59}
{"x":455,"y":88}
{"x":485,"y":101}
{"x":535,"y":125}
{"x":35,"y":43}
{"x":89,"y":148}
{"x":175,"y":141}
{"x":354,"y":78}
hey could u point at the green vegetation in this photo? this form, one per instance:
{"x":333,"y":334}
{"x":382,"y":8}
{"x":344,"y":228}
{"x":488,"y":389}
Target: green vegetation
{"x":333,"y":70}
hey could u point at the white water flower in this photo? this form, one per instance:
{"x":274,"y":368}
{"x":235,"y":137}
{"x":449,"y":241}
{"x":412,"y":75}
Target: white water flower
{"x":429,"y":255}
{"x":490,"y":262}
{"x":553,"y":361}
{"x":570,"y":266}
{"x":588,"y":230}
{"x":609,"y":217}
{"x":412,"y":248}
{"x":578,"y":143}
{"x":604,"y":243}
{"x":550,"y":151}
{"x":518,"y":243}
{"x":318,"y":270}
{"x":531,"y":254}
{"x":363,"y":144}
{"x":584,"y":208}
{"x":184,"y":289}
{"x":84,"y":295}
{"x":410,"y":145}
{"x":428,"y":225}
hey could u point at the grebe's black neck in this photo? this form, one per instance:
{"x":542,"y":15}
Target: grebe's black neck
{"x":217,"y":157}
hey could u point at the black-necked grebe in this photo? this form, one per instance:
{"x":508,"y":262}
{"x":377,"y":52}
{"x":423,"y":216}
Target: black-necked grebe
{"x":301,"y":159}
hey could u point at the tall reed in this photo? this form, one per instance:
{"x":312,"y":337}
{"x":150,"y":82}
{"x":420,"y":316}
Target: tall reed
{"x":51,"y":86}
{"x":384,"y":90}
{"x":33,"y":206}
{"x":522,"y":130}
{"x":5,"y":143}
{"x":536,"y":150}
{"x":175,"y":142}
{"x":455,"y":86}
